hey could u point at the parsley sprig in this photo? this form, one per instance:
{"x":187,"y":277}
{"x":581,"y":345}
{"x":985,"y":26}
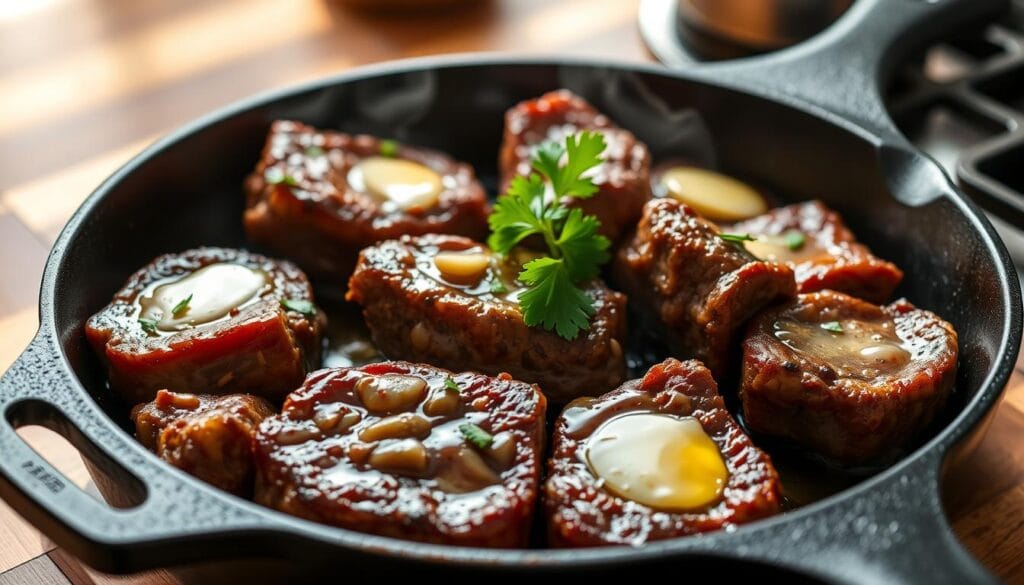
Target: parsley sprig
{"x":553,"y":299}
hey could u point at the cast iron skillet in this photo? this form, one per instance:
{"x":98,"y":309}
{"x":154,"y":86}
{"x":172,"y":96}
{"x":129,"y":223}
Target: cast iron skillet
{"x":834,"y":141}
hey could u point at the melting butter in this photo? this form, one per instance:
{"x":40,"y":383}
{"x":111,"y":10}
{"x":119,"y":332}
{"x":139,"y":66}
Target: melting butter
{"x":399,"y":182}
{"x":715,"y":196}
{"x":463,"y":267}
{"x":778,"y":248}
{"x":658,"y":460}
{"x":862,"y":350}
{"x":212,"y":292}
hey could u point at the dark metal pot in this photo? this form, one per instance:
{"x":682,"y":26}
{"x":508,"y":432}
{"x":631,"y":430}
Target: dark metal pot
{"x":807,"y":122}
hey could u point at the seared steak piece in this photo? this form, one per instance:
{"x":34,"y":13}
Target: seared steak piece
{"x":657,"y":458}
{"x":446,"y":300}
{"x":623,"y":179}
{"x":207,"y":436}
{"x":408,"y":451}
{"x":212,"y":321}
{"x":844,"y":378}
{"x":696,"y":287}
{"x":320,"y":197}
{"x":823,"y":253}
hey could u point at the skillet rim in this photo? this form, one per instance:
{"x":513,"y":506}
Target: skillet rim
{"x":932,"y":452}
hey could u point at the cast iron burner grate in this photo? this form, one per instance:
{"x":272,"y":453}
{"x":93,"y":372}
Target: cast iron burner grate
{"x":962,"y":102}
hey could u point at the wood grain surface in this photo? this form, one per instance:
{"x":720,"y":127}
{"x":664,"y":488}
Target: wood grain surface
{"x":85,"y":84}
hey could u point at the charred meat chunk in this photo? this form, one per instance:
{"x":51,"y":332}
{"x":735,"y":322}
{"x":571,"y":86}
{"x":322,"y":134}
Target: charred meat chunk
{"x":657,"y":458}
{"x":823,"y":253}
{"x":695,"y":286}
{"x":623,"y":178}
{"x":209,"y":320}
{"x":845,"y":378}
{"x":447,"y":300}
{"x":210,"y":437}
{"x":408,"y":451}
{"x":320,"y":197}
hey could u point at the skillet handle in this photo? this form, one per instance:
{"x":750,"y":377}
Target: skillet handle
{"x":164,"y":517}
{"x":842,"y":70}
{"x":893,"y":532}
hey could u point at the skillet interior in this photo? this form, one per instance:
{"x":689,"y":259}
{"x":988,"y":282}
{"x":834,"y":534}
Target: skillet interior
{"x":190,"y":193}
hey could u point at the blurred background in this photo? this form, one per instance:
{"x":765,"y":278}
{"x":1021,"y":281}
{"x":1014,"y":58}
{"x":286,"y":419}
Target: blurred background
{"x":86,"y":84}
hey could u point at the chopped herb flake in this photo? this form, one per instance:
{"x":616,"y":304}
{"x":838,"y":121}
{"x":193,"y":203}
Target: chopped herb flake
{"x":314,"y":151}
{"x":182,"y":307}
{"x":832,"y":326}
{"x":794,"y":240}
{"x":478,"y":437}
{"x":450,"y":384}
{"x":498,"y":288}
{"x":299,"y":306}
{"x":148,"y":325}
{"x":275,"y":176}
{"x":388,"y":148}
{"x":737,"y":238}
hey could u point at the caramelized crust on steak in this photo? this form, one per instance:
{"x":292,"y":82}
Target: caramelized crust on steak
{"x":623,"y":179}
{"x":209,"y":437}
{"x":260,"y":347}
{"x":413,"y":313}
{"x":582,"y":512}
{"x":318,"y":218}
{"x":694,"y":286}
{"x":844,"y":378}
{"x":383,"y":449}
{"x":830,"y":256}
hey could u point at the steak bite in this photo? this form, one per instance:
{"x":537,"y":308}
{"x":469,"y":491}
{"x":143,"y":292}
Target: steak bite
{"x":320,"y":196}
{"x":824,"y":254}
{"x":844,"y":378}
{"x":209,"y":320}
{"x":207,"y":436}
{"x":449,"y":301}
{"x":408,"y":451}
{"x":657,"y":458}
{"x":622,"y":179}
{"x":693,"y":285}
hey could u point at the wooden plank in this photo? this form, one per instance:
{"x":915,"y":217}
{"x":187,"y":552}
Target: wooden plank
{"x":79,"y":574}
{"x":39,"y":571}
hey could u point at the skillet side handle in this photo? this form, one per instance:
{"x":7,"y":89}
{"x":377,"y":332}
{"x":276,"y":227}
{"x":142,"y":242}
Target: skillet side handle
{"x":163,"y":517}
{"x":895,"y":532}
{"x":843,"y":69}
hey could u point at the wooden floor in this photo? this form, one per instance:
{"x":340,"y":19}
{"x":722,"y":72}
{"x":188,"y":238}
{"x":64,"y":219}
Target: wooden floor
{"x":84,"y":84}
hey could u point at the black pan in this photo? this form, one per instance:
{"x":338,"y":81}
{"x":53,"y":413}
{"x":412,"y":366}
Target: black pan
{"x":807,"y":122}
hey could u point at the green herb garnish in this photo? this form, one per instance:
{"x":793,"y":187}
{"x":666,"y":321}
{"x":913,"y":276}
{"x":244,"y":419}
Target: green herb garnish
{"x":794,"y":240}
{"x":475,"y":435}
{"x":148,"y":325}
{"x":299,"y":306}
{"x":553,"y":299}
{"x":314,"y":151}
{"x":182,"y":307}
{"x":388,"y":148}
{"x":498,"y":288}
{"x":449,"y":384}
{"x":832,"y":326}
{"x":275,"y":176}
{"x":737,"y":238}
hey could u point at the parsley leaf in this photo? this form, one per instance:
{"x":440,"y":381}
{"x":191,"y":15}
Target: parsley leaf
{"x":737,"y":238}
{"x":299,"y":306}
{"x":450,"y":384}
{"x":148,"y":325}
{"x":794,"y":239}
{"x":535,"y":205}
{"x":475,"y":435}
{"x":833,"y":326}
{"x":182,"y":307}
{"x":552,"y":302}
{"x":388,"y":148}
